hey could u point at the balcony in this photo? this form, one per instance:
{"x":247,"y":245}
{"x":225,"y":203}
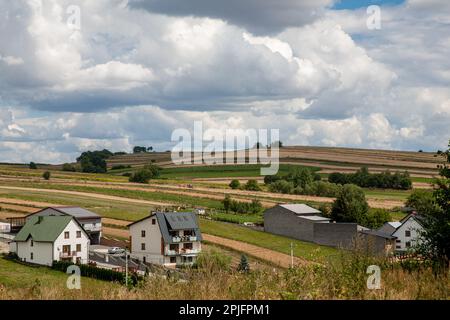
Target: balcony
{"x":172,"y":252}
{"x":68,"y":254}
{"x":92,"y":228}
{"x":177,"y":239}
{"x":189,"y":251}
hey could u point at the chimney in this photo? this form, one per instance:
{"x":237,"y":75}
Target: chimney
{"x":40,"y":219}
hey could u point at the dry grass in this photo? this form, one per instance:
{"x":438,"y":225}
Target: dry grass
{"x":347,"y":280}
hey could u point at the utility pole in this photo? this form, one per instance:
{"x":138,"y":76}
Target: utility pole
{"x":292,"y":255}
{"x":126,"y":267}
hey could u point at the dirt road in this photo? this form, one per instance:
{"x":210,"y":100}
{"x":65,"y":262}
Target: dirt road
{"x":90,"y":195}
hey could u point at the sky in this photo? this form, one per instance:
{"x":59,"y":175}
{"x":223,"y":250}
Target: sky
{"x":81,"y":75}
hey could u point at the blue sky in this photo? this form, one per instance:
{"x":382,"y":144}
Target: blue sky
{"x":356,"y":4}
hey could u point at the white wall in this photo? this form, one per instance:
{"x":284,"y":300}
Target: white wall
{"x":414,"y":227}
{"x":42,"y":252}
{"x":152,"y":240}
{"x":72,"y":227}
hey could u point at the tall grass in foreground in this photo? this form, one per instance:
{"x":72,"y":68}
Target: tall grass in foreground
{"x":344,"y":279}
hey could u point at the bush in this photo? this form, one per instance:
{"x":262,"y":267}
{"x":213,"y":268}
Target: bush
{"x":322,"y":189}
{"x":94,"y":272}
{"x":272,"y":179}
{"x":145,"y":174}
{"x":281,"y":186}
{"x":32,"y":165}
{"x":94,"y":161}
{"x":421,"y":200}
{"x":252,"y":185}
{"x":46,"y":175}
{"x":235,"y":184}
{"x":376,"y":218}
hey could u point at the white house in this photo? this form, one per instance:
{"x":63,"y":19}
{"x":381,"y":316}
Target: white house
{"x":90,"y":221}
{"x":166,"y":238}
{"x":407,"y":233}
{"x":44,"y":239}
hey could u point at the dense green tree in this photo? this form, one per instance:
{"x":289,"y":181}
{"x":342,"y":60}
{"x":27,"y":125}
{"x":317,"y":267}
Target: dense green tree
{"x":32,"y":165}
{"x":422,"y":201}
{"x":435,"y":244}
{"x":94,"y":161}
{"x":350,"y":205}
{"x":139,"y":149}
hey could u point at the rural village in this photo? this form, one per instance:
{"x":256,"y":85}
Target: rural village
{"x":178,"y":218}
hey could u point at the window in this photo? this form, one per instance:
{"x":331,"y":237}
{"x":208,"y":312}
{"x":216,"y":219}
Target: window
{"x":78,"y":247}
{"x":143,"y":233}
{"x":173,"y":259}
{"x":78,"y":234}
{"x":31,"y":243}
{"x":188,"y":246}
{"x":408,"y":244}
{"x":189,"y":259}
{"x":398,"y":247}
{"x":407,"y":233}
{"x":66,"y":235}
{"x":153,"y":221}
{"x":66,"y":249}
{"x":142,"y":246}
{"x":31,"y":256}
{"x":173,"y":247}
{"x":398,"y":241}
{"x":144,"y":259}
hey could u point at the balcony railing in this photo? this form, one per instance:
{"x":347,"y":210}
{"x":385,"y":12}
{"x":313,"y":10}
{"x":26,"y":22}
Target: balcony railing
{"x":68,"y":254}
{"x":189,"y":251}
{"x":184,"y":238}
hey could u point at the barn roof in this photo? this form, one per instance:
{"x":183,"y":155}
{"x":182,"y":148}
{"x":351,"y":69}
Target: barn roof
{"x":43,"y":228}
{"x":300,"y":208}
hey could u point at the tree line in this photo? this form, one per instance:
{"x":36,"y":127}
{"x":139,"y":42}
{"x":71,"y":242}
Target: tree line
{"x":365,"y":179}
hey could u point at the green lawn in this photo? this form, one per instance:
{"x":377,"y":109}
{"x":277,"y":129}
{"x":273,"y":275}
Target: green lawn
{"x":32,"y":280}
{"x":306,"y":250}
{"x":388,"y":194}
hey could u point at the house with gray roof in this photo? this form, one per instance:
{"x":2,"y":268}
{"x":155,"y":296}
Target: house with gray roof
{"x":90,"y":221}
{"x":44,"y":239}
{"x":166,"y":238}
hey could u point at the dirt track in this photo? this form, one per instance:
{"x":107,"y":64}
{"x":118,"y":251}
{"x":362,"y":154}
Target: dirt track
{"x":200,"y":192}
{"x":90,"y":195}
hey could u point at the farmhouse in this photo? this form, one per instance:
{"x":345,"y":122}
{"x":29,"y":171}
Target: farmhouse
{"x":166,"y":238}
{"x":90,"y":221}
{"x":407,"y":233}
{"x":44,"y":239}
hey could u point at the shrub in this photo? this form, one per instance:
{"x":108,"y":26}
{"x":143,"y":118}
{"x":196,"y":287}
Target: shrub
{"x":120,"y":166}
{"x":235,"y":184}
{"x":145,"y":174}
{"x":281,"y":186}
{"x":252,"y":185}
{"x":253,"y":207}
{"x":32,"y":165}
{"x":46,"y":175}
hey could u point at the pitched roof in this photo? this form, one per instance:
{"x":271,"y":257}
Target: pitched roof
{"x":377,"y":234}
{"x":76,"y":212}
{"x":169,"y":221}
{"x":314,"y":218}
{"x":299,"y":208}
{"x":43,"y":229}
